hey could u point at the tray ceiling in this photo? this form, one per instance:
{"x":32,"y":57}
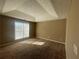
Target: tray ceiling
{"x":35,"y":10}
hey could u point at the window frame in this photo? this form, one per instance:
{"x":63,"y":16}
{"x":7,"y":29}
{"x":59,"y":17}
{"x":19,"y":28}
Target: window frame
{"x":23,"y":29}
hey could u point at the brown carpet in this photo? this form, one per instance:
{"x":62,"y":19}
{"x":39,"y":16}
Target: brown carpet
{"x":33,"y":49}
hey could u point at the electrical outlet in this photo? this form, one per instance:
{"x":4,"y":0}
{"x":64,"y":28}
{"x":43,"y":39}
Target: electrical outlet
{"x":75,"y":49}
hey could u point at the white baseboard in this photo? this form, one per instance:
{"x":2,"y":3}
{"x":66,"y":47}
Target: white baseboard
{"x":52,"y":40}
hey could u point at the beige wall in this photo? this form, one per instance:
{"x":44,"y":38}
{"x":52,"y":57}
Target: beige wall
{"x":72,"y":38}
{"x":0,"y":28}
{"x":52,"y":30}
{"x":7,"y":29}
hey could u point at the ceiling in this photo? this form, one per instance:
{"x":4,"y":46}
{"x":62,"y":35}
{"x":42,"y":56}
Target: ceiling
{"x":35,"y":10}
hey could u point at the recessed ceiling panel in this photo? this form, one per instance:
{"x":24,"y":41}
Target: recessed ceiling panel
{"x":2,"y":2}
{"x":47,"y":5}
{"x":20,"y":15}
{"x":61,"y":7}
{"x":12,"y":4}
{"x":33,"y":8}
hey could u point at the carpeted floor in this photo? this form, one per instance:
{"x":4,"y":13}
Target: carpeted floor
{"x":33,"y":49}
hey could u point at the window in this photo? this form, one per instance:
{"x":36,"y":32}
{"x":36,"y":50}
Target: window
{"x":21,"y":30}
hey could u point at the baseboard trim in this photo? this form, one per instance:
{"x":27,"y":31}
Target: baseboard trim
{"x":52,"y":40}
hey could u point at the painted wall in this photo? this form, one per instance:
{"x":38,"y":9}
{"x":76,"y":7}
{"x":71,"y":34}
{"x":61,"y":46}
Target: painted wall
{"x":0,"y":28}
{"x":72,"y":34}
{"x":52,"y":30}
{"x":7,"y":29}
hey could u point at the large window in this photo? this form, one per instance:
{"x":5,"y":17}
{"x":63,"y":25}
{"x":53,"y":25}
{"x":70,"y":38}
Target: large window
{"x":21,"y":30}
